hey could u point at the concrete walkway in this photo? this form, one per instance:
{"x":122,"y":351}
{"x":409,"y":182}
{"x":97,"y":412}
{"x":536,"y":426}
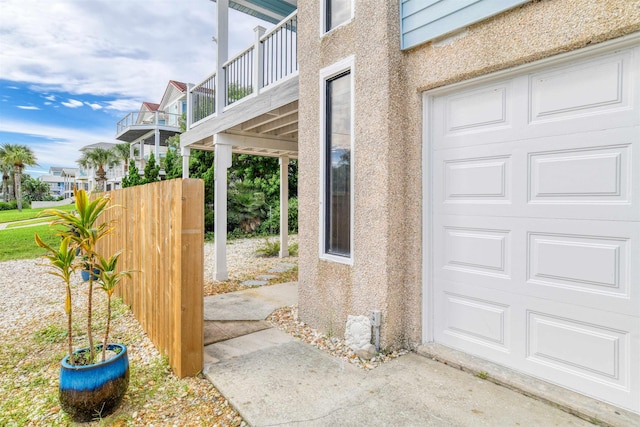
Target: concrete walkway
{"x":274,"y":379}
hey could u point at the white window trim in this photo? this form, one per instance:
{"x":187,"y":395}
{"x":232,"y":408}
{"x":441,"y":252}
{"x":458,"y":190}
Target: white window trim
{"x":323,"y":18}
{"x":346,"y":64}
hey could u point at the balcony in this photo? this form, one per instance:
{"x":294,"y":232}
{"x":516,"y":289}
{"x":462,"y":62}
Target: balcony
{"x":141,"y":124}
{"x":259,"y":95}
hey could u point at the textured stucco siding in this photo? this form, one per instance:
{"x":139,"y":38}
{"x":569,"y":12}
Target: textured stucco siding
{"x":330,"y":291}
{"x":387,"y":269}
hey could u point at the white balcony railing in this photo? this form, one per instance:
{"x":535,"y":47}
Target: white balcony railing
{"x":203,"y":99}
{"x":148,"y":118}
{"x":238,"y":76}
{"x":271,"y":59}
{"x":280,"y":51}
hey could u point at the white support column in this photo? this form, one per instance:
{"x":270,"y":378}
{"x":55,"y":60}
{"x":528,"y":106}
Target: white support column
{"x":284,"y":207}
{"x":222,"y":163}
{"x":186,"y":152}
{"x":131,"y":153}
{"x":142,"y":162}
{"x":257,"y":59}
{"x":156,"y":151}
{"x":222,"y":46}
{"x":189,"y":112}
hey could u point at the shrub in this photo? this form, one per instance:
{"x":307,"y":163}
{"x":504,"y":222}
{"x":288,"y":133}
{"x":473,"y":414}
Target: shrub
{"x":271,"y":225}
{"x":7,"y":206}
{"x":245,"y":208}
{"x":271,"y":248}
{"x":208,"y":220}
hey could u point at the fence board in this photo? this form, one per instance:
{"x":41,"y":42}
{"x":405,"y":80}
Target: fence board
{"x":160,"y":228}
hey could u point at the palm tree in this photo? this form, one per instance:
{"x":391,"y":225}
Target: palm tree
{"x":19,"y":156}
{"x":5,"y":168}
{"x":123,"y":150}
{"x":98,"y":158}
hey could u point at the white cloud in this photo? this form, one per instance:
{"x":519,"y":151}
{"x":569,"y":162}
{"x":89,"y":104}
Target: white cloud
{"x":72,"y":103}
{"x":123,"y":105}
{"x":124,"y":52}
{"x":28,"y":107}
{"x":113,"y":48}
{"x":60,"y":144}
{"x":94,"y":106}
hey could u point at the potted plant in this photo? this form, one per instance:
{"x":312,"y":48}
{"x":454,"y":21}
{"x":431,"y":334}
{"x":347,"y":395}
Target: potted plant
{"x":90,"y":385}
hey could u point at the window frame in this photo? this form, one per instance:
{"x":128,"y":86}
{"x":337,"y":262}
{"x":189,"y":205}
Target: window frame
{"x":327,"y":74}
{"x":324,"y":17}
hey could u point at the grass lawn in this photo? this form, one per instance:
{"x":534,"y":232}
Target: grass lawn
{"x":14,"y":215}
{"x":19,"y":243}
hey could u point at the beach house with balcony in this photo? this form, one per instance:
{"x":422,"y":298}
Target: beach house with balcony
{"x":467,"y":168}
{"x":85,"y":177}
{"x":61,"y":181}
{"x":148,"y":129}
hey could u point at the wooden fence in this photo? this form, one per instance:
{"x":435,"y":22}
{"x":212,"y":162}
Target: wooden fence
{"x":160,"y":229}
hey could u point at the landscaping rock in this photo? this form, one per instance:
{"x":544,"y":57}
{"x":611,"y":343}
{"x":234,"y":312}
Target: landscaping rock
{"x":254,"y":283}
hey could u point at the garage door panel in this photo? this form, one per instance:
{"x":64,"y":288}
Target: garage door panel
{"x":585,"y":175}
{"x":480,"y":321}
{"x":578,"y":348}
{"x":587,"y":269}
{"x":592,"y":351}
{"x":473,"y":318}
{"x":573,"y":261}
{"x":477,"y":250}
{"x":479,"y":115}
{"x":483,"y":180}
{"x":580,"y":90}
{"x":564,"y":176}
{"x":582,"y":176}
{"x":586,"y":263}
{"x":574,"y":96}
{"x":596,"y":352}
{"x":478,"y":180}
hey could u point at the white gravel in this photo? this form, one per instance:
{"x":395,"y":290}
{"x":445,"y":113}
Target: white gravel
{"x":242,"y":260}
{"x":29,"y":292}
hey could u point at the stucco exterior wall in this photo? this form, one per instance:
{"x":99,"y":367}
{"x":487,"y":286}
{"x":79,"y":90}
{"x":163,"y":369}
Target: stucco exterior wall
{"x":387,"y":269}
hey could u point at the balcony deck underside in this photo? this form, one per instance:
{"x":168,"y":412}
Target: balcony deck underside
{"x":135,"y":132}
{"x":264,"y":125}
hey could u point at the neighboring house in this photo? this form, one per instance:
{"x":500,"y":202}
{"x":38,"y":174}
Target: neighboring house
{"x":149,"y":128}
{"x":61,"y":181}
{"x":470,"y":169}
{"x":86,"y":177}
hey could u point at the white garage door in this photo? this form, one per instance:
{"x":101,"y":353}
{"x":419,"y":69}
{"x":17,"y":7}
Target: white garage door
{"x":535,"y":220}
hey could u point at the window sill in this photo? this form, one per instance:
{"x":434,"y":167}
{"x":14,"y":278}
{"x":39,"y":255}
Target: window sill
{"x":337,"y":259}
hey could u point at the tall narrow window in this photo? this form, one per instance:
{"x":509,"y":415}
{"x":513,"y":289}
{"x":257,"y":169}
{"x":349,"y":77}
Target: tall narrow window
{"x":336,"y":12}
{"x":337,"y":221}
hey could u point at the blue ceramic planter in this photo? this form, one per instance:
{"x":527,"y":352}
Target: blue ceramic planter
{"x":85,"y":274}
{"x":91,"y":391}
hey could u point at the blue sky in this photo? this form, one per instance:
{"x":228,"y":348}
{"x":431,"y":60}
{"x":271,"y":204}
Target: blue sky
{"x":70,"y":69}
